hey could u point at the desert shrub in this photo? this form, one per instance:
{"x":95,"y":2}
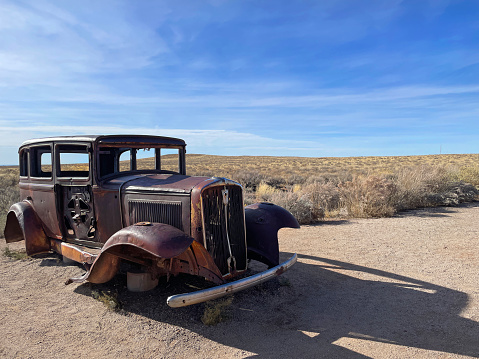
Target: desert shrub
{"x":9,"y":194}
{"x":275,"y":182}
{"x":324,"y":196}
{"x":316,"y":179}
{"x":368,"y":196}
{"x":249,"y":196}
{"x":419,"y":186}
{"x":264,"y":192}
{"x":248,"y":179}
{"x":295,"y":179}
{"x":468,"y":174}
{"x":297,"y":203}
{"x":411,"y":187}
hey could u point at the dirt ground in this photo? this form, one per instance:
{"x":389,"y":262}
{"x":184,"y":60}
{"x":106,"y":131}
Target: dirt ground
{"x":401,"y":287}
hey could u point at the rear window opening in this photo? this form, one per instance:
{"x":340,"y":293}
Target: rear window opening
{"x":41,"y":161}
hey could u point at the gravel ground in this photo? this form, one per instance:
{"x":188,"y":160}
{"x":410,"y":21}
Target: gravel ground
{"x":401,"y":287}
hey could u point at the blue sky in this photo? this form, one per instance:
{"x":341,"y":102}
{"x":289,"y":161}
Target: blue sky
{"x":302,"y":78}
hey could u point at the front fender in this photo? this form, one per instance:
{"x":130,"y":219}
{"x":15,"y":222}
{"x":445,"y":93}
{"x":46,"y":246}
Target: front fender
{"x":139,"y":241}
{"x":152,"y":243}
{"x":23,"y":223}
{"x":158,"y":239}
{"x":263,"y":221}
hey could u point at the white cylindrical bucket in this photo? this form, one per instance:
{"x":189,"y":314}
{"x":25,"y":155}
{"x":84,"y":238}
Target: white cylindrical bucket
{"x":140,"y":282}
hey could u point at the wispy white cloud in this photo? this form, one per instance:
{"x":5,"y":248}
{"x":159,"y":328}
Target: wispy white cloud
{"x":223,"y":142}
{"x":310,"y":78}
{"x":219,"y":142}
{"x":42,"y":43}
{"x":243,"y":95}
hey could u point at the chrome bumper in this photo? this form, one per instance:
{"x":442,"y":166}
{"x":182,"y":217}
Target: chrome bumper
{"x":182,"y":300}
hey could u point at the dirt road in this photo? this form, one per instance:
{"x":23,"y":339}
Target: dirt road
{"x":401,"y":287}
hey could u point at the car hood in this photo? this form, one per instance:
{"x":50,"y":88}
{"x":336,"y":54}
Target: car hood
{"x":158,"y":183}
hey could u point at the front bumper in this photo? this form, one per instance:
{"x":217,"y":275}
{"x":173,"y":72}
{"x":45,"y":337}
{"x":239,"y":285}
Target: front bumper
{"x":183,"y":300}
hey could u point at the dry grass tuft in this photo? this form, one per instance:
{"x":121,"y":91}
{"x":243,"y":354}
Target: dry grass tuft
{"x":109,"y":299}
{"x":19,"y":255}
{"x":216,"y":311}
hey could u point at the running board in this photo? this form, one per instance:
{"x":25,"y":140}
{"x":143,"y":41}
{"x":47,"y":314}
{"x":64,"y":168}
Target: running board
{"x":75,"y":252}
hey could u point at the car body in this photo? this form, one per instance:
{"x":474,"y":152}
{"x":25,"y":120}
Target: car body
{"x":109,"y":199}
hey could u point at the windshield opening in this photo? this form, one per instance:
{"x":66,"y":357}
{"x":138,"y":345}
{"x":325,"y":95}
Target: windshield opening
{"x":114,"y":160}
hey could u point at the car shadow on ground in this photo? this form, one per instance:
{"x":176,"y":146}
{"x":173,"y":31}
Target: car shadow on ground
{"x":316,"y":308}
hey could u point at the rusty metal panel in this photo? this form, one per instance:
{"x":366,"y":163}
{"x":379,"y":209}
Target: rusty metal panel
{"x":74,"y":252}
{"x":43,"y":198}
{"x":107,"y":212}
{"x":139,"y":140}
{"x":172,"y":209}
{"x":23,"y":223}
{"x":159,"y":211}
{"x":263,"y":221}
{"x":164,"y":183}
{"x":196,"y":216}
{"x":159,"y":239}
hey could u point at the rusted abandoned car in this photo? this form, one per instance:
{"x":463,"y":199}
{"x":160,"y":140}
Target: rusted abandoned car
{"x":108,"y":200}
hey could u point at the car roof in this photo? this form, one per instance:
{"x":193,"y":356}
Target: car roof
{"x":127,"y":140}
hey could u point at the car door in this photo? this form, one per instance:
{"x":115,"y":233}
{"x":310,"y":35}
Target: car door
{"x":74,"y":191}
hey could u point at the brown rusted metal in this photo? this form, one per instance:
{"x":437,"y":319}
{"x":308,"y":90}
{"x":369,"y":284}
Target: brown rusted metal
{"x":193,"y":225}
{"x":41,"y":195}
{"x":74,"y":252}
{"x":196,"y":217}
{"x":23,"y":223}
{"x":103,"y":269}
{"x":206,"y":264}
{"x":165,"y":249}
{"x":159,"y":239}
{"x":107,"y":210}
{"x":263,"y":221}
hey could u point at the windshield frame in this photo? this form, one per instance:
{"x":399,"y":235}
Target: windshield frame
{"x":112,"y":152}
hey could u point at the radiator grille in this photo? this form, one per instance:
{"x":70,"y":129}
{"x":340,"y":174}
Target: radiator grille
{"x":155,"y":211}
{"x":215,"y":225}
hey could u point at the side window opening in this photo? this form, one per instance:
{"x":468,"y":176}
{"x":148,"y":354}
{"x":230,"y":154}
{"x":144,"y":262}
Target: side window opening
{"x":41,"y":161}
{"x":170,"y":159}
{"x":124,"y":160}
{"x":74,"y":161}
{"x":24,"y":163}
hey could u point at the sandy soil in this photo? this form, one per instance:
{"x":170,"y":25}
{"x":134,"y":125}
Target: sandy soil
{"x":402,"y":287}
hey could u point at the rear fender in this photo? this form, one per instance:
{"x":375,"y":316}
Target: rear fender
{"x":24,"y":224}
{"x":263,"y":221}
{"x":161,"y":247}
